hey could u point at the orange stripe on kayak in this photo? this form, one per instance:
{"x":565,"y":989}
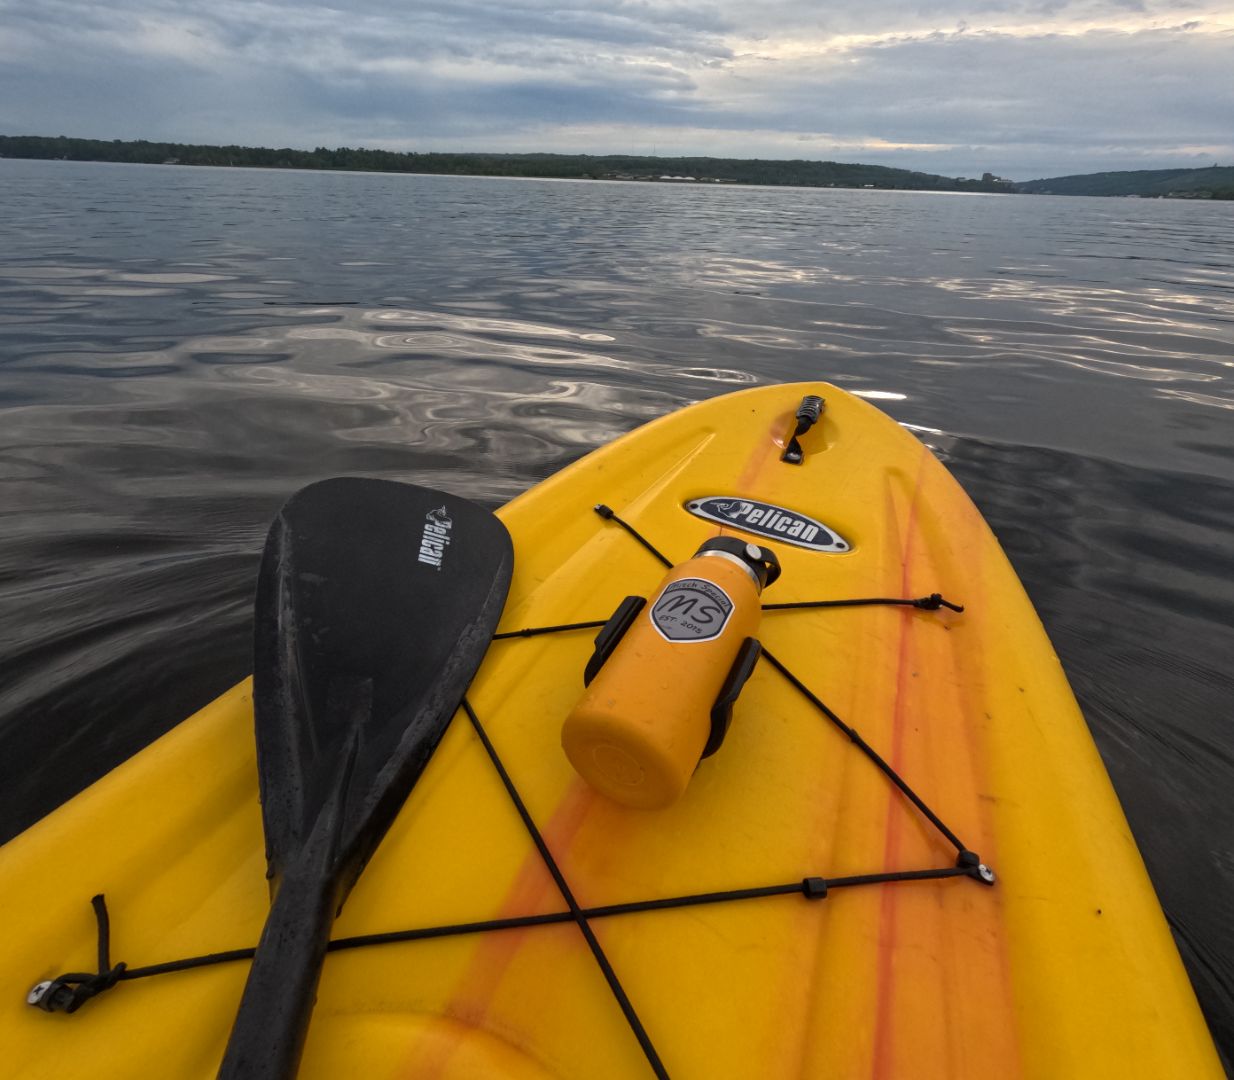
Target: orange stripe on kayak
{"x":1001,"y":1040}
{"x":495,"y":951}
{"x":883,"y":1064}
{"x":757,"y":461}
{"x":752,"y":471}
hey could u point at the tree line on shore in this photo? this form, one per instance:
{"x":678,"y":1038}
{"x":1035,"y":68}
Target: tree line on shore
{"x":561,"y":166}
{"x":1216,"y":182}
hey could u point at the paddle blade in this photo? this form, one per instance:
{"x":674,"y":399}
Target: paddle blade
{"x":376,"y":602}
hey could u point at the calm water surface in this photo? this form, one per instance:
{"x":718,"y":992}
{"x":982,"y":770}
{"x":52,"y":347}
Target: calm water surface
{"x":182,"y":348}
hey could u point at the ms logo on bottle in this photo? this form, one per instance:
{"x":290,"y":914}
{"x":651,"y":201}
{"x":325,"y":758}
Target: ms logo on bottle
{"x":691,"y":609}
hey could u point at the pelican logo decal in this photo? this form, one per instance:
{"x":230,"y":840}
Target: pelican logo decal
{"x":768,"y":520}
{"x":435,"y":538}
{"x":691,"y":609}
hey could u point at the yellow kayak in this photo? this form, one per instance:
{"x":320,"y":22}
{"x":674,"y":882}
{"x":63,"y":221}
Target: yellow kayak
{"x":904,"y":860}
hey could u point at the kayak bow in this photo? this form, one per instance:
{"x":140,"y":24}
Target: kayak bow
{"x":799,"y":910}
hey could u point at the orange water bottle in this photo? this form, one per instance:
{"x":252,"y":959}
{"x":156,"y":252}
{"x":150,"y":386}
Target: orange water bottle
{"x":668,"y":673}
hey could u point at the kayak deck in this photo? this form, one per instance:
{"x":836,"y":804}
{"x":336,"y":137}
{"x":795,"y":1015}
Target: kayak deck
{"x":1065,"y":966}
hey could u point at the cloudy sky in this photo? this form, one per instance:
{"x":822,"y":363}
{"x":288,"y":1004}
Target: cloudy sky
{"x":1024,"y":88}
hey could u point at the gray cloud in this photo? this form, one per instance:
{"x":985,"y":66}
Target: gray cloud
{"x":1017,"y":86}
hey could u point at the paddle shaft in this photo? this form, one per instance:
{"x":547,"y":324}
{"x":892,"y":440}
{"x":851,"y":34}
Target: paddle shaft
{"x":272,"y":1023}
{"x":268,"y":1036}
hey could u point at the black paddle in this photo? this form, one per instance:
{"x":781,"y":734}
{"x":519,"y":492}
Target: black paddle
{"x":376,"y":602}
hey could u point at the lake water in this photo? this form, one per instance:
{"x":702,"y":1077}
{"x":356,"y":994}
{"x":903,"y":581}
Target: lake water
{"x":182,"y":348}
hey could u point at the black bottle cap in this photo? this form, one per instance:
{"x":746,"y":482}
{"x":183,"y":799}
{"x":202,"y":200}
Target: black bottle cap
{"x":761,"y":561}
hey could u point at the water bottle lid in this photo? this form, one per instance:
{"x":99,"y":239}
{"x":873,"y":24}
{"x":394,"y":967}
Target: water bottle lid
{"x":762,"y":563}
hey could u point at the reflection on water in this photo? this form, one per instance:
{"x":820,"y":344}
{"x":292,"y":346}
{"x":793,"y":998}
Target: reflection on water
{"x":182,"y":348}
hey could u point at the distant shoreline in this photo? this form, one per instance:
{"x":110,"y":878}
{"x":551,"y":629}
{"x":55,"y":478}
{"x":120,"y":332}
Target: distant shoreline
{"x":736,"y":184}
{"x":695,"y":171}
{"x":1215,"y":183}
